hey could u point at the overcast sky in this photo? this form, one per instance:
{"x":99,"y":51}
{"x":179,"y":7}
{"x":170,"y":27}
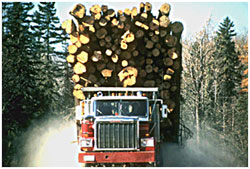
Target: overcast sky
{"x":193,"y":15}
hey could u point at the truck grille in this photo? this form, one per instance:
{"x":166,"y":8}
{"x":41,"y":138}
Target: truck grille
{"x":116,"y":135}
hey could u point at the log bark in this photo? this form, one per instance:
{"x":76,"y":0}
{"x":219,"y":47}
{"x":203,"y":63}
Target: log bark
{"x":101,"y":33}
{"x":168,"y":61}
{"x":135,"y":53}
{"x":101,"y":66}
{"x":163,"y":33}
{"x":155,"y":52}
{"x":103,"y":22}
{"x":102,"y":43}
{"x":139,"y":34}
{"x":170,"y":40}
{"x":177,"y":27}
{"x":149,"y":83}
{"x":149,"y":44}
{"x":173,"y":88}
{"x":143,"y":73}
{"x":149,"y":61}
{"x":165,"y":94}
{"x":176,"y":65}
{"x":156,"y":69}
{"x":148,"y":7}
{"x":104,"y":8}
{"x":149,"y":68}
{"x":92,"y":78}
{"x":142,"y":7}
{"x":155,"y":38}
{"x":91,"y":69}
{"x":126,"y":55}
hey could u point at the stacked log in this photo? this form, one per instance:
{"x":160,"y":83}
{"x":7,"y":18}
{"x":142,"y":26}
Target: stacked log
{"x":106,"y":44}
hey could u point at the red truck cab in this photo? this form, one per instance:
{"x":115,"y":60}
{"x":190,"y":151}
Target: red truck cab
{"x":118,"y":127}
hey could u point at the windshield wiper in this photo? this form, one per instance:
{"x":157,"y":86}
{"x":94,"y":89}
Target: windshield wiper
{"x":99,"y":111}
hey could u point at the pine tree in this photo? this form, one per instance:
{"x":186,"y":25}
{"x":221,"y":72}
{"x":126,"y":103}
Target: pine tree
{"x":227,"y":72}
{"x":49,"y":37}
{"x":21,"y":97}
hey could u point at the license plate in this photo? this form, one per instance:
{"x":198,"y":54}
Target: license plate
{"x":89,"y":158}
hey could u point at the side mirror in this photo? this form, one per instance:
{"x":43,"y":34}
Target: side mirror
{"x":164,"y":111}
{"x":78,"y":112}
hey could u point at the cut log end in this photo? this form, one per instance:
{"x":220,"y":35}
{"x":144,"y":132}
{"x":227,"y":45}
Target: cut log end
{"x":107,"y":73}
{"x":75,"y":78}
{"x":84,"y":39}
{"x":82,"y":57}
{"x":78,"y":11}
{"x":79,"y":68}
{"x":70,"y":58}
{"x":165,"y":9}
{"x":72,"y":49}
{"x":78,"y":94}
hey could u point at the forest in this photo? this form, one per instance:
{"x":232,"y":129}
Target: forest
{"x":36,"y":81}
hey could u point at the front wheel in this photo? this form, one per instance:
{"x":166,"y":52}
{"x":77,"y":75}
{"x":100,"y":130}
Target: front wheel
{"x":153,"y":164}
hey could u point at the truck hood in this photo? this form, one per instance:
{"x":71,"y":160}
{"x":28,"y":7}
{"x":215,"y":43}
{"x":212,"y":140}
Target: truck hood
{"x":117,"y":118}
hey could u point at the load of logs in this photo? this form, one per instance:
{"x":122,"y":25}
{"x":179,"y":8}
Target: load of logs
{"x":125,"y":48}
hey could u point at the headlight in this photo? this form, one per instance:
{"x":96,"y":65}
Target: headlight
{"x":87,"y":142}
{"x":147,"y":142}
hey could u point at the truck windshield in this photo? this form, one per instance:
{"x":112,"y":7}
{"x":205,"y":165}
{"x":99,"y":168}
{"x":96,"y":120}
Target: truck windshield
{"x":121,"y":107}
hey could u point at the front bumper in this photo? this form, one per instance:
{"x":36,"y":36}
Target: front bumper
{"x":117,"y":157}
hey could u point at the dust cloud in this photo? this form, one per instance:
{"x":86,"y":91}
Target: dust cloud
{"x":49,"y":144}
{"x":209,"y":153}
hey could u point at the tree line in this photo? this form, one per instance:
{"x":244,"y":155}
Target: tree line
{"x":35,"y":75}
{"x":214,"y":103}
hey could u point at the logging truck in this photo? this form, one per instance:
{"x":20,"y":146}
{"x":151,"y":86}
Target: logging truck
{"x":110,"y":52}
{"x":119,"y":126}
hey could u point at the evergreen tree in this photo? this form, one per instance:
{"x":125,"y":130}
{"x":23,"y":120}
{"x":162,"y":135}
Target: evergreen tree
{"x":21,"y":97}
{"x":49,"y":36}
{"x":227,"y":73}
{"x":228,"y":57}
